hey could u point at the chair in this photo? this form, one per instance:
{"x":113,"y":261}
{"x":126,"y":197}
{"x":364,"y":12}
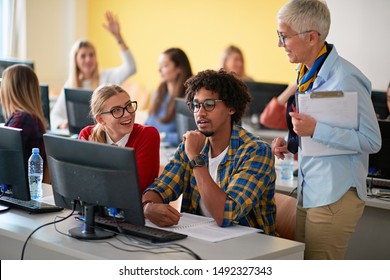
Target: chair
{"x":285,"y":215}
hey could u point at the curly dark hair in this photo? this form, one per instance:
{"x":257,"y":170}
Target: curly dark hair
{"x":231,"y":90}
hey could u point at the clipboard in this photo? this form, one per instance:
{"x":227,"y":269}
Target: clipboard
{"x":335,"y":108}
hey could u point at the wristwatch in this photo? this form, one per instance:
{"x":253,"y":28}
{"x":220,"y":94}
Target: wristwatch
{"x":197,"y":161}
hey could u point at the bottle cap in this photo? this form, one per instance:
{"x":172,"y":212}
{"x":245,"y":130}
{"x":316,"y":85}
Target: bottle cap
{"x":35,"y":150}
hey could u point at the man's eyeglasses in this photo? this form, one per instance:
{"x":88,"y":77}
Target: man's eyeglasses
{"x":118,"y":112}
{"x":208,"y":105}
{"x":282,"y":38}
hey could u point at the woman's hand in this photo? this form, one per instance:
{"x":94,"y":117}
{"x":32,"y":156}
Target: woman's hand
{"x":112,"y":25}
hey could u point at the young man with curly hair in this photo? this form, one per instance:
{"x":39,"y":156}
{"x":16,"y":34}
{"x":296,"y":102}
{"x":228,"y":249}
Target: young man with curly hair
{"x":222,"y":170}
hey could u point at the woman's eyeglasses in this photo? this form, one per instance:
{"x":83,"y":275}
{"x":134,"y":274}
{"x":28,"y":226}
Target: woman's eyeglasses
{"x":118,"y":112}
{"x":282,"y":38}
{"x":208,"y":105}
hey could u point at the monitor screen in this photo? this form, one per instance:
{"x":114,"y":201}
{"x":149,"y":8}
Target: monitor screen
{"x":184,"y":118}
{"x":379,"y":100}
{"x":45,"y":104}
{"x":96,"y":176}
{"x":262,"y":93}
{"x":13,"y":164}
{"x":4,"y":63}
{"x":77,"y":109}
{"x":379,"y":164}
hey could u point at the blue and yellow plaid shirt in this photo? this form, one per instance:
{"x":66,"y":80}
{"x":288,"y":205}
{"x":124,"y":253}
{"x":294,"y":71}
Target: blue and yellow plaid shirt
{"x":246,"y":174}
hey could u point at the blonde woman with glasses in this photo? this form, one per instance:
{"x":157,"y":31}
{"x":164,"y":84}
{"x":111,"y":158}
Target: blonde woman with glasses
{"x":114,"y":113}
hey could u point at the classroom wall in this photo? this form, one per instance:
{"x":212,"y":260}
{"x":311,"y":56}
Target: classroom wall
{"x":203,"y":29}
{"x":51,"y":28}
{"x":360,"y":31}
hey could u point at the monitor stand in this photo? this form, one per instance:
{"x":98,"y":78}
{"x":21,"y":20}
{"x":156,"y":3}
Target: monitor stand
{"x":87,"y":230}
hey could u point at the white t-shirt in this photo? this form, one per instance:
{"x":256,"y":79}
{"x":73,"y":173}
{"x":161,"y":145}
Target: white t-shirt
{"x":213,"y":170}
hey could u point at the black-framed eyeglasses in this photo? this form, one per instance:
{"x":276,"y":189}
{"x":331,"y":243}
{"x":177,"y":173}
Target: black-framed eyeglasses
{"x":282,"y":38}
{"x":208,"y":105}
{"x":118,"y":112}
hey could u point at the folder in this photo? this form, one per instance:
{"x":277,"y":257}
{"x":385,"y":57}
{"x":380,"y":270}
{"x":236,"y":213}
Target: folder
{"x":335,"y":108}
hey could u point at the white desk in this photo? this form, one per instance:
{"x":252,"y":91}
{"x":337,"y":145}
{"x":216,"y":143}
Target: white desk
{"x":47,"y":243}
{"x":371,"y":239}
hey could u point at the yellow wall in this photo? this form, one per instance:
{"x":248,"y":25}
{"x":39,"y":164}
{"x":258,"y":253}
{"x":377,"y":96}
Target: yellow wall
{"x":202,"y":28}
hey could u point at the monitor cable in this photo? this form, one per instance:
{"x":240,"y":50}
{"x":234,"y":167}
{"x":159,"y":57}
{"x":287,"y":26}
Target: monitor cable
{"x":186,"y":250}
{"x":44,"y":225}
{"x":293,"y":191}
{"x":144,"y":246}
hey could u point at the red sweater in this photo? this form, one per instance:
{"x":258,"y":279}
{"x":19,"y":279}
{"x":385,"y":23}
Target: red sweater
{"x":145,"y":140}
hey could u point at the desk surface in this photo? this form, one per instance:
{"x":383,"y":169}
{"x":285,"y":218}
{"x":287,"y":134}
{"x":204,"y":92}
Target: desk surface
{"x":48,"y":243}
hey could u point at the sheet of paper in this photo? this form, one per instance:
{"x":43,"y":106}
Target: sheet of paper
{"x":205,"y":228}
{"x":334,"y":111}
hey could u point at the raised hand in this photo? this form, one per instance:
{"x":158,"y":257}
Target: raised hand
{"x":112,"y":25}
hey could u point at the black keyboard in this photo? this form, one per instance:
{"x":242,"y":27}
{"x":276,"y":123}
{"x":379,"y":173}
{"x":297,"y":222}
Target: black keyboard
{"x":32,"y":206}
{"x":155,"y":235}
{"x":378,"y":183}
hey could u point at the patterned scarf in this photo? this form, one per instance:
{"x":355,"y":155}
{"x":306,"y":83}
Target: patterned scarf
{"x":305,"y":82}
{"x":306,"y":78}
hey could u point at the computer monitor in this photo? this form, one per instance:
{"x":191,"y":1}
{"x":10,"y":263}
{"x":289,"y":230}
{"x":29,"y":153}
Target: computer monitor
{"x":6,"y":62}
{"x":184,"y":118}
{"x":379,"y":100}
{"x":379,"y":163}
{"x":77,"y":109}
{"x":45,"y":103}
{"x":13,"y":164}
{"x":262,"y":93}
{"x":95,"y":175}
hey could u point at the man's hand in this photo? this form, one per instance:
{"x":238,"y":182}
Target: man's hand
{"x":162,"y":215}
{"x":279,"y":147}
{"x":194,"y":142}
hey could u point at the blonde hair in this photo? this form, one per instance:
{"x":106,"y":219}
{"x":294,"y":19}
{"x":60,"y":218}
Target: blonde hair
{"x":75,"y":76}
{"x":225,"y":55}
{"x":20,"y":91}
{"x":98,"y":100}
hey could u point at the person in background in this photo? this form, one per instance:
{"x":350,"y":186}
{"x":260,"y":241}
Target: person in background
{"x":114,"y":112}
{"x":222,"y":170}
{"x":84,"y":72}
{"x":233,"y":61}
{"x":175,"y":69}
{"x":331,"y":189}
{"x":274,"y":114}
{"x":22,"y":108}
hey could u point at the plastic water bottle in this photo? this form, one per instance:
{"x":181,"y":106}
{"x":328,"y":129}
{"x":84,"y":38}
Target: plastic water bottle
{"x":286,"y":170}
{"x":35,"y":174}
